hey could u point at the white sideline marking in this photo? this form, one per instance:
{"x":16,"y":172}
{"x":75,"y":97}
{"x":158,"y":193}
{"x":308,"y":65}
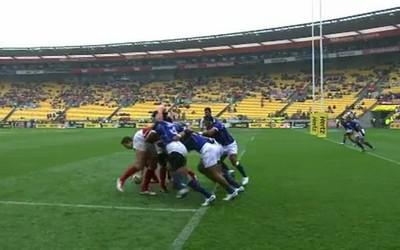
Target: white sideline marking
{"x":367,"y":152}
{"x":44,"y":204}
{"x":189,"y":228}
{"x":184,"y":235}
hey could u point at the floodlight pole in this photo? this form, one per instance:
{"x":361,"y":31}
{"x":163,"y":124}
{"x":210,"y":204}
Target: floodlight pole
{"x":321,"y":54}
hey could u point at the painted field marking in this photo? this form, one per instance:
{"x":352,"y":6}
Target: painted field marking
{"x":367,"y":152}
{"x":91,"y":206}
{"x":356,"y":149}
{"x":194,"y":221}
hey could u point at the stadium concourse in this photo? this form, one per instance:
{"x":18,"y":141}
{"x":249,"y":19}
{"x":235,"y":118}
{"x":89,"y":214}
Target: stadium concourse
{"x":251,"y":81}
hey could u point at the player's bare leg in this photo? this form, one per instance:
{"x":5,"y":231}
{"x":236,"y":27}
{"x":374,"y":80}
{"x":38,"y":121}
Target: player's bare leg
{"x":214,"y":173}
{"x":149,"y":175}
{"x":138,"y":165}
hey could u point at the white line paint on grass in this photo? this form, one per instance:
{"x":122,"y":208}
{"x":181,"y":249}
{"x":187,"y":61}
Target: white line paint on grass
{"x":89,"y":206}
{"x":357,"y":149}
{"x":189,"y":228}
{"x":184,"y":235}
{"x":367,"y":152}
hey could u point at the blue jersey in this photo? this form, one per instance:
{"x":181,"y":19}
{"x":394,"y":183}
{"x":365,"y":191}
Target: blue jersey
{"x":166,"y":130}
{"x":356,"y":126}
{"x":195,"y":142}
{"x":222,"y":135}
{"x":347,"y":125}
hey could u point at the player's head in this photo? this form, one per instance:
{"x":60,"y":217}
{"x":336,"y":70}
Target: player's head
{"x":127,"y":142}
{"x":208,"y":121}
{"x":166,"y":117}
{"x":207,"y":112}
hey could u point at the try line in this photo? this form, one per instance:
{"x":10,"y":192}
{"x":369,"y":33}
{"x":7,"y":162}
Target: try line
{"x":89,"y":206}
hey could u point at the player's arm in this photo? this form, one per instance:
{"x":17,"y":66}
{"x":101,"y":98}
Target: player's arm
{"x":186,"y":132}
{"x":211,"y":132}
{"x":152,"y":137}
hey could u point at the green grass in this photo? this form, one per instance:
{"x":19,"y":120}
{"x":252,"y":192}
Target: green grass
{"x":305,"y":193}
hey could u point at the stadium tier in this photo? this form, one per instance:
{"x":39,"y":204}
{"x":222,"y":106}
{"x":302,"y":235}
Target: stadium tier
{"x":196,"y":110}
{"x":138,"y":111}
{"x":254,"y":108}
{"x":364,"y":105}
{"x":89,"y":112}
{"x":4,"y":112}
{"x":333,"y":107}
{"x":44,"y":111}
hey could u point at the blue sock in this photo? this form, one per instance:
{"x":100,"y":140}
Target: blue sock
{"x":241,"y":169}
{"x":230,"y":190}
{"x":195,"y":185}
{"x":224,"y":166}
{"x":178,"y":181}
{"x":229,"y":178}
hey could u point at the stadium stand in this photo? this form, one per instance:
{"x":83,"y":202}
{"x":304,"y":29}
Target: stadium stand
{"x":260,"y":74}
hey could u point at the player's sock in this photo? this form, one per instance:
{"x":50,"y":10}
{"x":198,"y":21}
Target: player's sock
{"x":163,"y":176}
{"x":154,"y":177}
{"x":129,"y":172}
{"x":224,"y":166}
{"x":369,"y":145}
{"x":360,"y":145}
{"x":146,"y":180}
{"x":195,"y":185}
{"x":229,"y":178}
{"x":230,"y":190}
{"x":240,"y":168}
{"x":178,"y":180}
{"x":192,"y":174}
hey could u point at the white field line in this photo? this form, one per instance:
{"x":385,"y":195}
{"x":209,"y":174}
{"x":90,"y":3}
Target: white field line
{"x":367,"y":152}
{"x":90,"y":206}
{"x":184,"y":235}
{"x":189,"y":228}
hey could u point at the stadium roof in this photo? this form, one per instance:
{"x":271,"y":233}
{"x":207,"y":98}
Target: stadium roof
{"x":361,"y":24}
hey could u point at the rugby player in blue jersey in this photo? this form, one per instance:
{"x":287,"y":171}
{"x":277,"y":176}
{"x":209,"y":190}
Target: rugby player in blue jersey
{"x":218,"y":131}
{"x":211,"y":153}
{"x":359,"y":134}
{"x":170,"y":136}
{"x":348,"y":130}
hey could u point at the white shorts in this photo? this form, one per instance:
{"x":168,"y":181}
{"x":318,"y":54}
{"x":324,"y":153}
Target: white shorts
{"x":210,"y":154}
{"x":231,"y":149}
{"x":139,"y":142}
{"x":176,"y":146}
{"x":349,"y":131}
